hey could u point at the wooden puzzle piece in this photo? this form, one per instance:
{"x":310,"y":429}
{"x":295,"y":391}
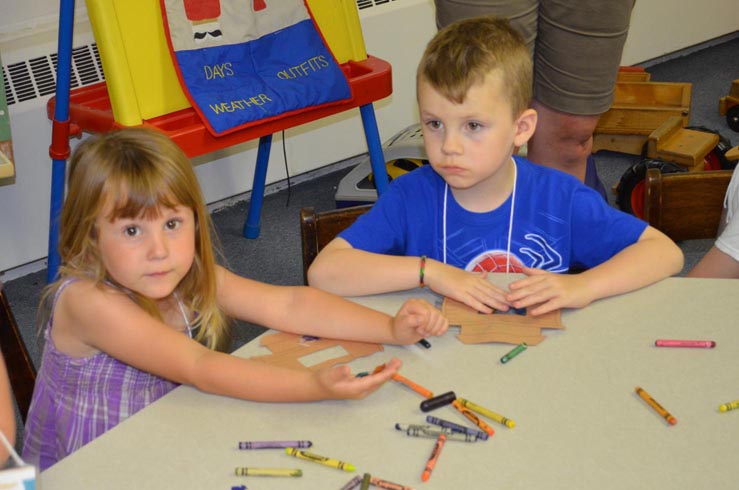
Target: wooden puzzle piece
{"x":508,"y":328}
{"x":288,"y":349}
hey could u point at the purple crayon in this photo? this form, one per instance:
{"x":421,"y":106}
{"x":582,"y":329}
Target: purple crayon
{"x":353,"y":483}
{"x":274,"y":444}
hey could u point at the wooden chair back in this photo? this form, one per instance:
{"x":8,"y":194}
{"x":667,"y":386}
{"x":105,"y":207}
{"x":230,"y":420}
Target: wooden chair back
{"x":317,"y":229}
{"x":21,"y":370}
{"x":686,"y":205}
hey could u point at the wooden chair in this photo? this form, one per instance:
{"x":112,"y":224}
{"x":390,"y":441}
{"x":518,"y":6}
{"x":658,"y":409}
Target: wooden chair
{"x":317,"y":229}
{"x":21,"y":371}
{"x":685,"y":206}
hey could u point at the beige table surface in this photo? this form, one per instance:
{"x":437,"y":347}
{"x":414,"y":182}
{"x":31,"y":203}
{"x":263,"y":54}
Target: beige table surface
{"x":579,"y":423}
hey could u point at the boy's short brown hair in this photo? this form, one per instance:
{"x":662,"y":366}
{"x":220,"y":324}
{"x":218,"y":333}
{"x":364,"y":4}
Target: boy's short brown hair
{"x":464,"y":52}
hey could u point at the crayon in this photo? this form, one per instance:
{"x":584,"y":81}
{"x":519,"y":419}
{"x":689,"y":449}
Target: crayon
{"x":456,"y":427}
{"x":473,"y":418}
{"x":366,"y":481}
{"x":243,"y":471}
{"x":353,"y":483}
{"x":487,"y":413}
{"x":425,"y":343}
{"x":725,"y":407}
{"x":656,"y":406}
{"x":334,"y":463}
{"x":388,"y":485}
{"x":431,"y":464}
{"x":416,"y":430}
{"x":378,"y":369}
{"x":274,"y":444}
{"x":514,"y":352}
{"x":438,"y":401}
{"x":700,"y":344}
{"x":414,"y":386}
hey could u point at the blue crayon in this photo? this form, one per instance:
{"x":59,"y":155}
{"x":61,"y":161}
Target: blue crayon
{"x":456,"y":427}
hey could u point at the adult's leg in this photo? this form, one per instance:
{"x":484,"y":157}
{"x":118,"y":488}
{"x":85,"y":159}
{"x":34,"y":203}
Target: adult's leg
{"x":578,"y":52}
{"x":561,"y":140}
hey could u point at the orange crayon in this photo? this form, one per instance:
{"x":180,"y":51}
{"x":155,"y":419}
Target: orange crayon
{"x":473,"y":418}
{"x":414,"y":386}
{"x":434,"y":457}
{"x":656,"y":406}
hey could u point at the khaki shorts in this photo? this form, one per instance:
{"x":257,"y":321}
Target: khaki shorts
{"x":576,"y":45}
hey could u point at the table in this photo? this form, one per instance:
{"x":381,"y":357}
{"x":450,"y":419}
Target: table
{"x":579,"y":422}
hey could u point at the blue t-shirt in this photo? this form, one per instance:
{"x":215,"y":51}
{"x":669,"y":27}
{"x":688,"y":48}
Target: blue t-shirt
{"x":558,"y":223}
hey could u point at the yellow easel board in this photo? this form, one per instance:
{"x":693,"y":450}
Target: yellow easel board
{"x":141,"y":79}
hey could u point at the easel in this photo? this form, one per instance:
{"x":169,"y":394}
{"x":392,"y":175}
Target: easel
{"x":127,"y":98}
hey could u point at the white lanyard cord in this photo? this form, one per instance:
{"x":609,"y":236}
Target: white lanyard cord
{"x":510,"y":220}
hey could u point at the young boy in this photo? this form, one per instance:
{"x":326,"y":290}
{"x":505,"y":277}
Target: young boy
{"x":478,"y":208}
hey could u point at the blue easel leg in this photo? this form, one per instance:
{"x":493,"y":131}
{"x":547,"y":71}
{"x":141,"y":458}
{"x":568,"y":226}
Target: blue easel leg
{"x":61,"y":114}
{"x":377,"y":159}
{"x":251,"y":227}
{"x":58,"y":170}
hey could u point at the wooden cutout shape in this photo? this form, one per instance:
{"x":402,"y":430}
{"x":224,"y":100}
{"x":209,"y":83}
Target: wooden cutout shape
{"x":478,"y":328}
{"x":287,"y":350}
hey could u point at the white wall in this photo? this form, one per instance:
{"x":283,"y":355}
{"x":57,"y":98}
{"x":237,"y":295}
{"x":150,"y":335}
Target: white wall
{"x":396,"y":32}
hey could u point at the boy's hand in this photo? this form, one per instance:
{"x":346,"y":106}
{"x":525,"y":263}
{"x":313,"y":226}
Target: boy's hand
{"x":339,"y":383}
{"x":549,"y":291}
{"x":418,"y":318}
{"x":470,"y":288}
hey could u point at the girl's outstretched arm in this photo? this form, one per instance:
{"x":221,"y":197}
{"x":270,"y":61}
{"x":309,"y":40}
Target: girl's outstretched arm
{"x":88,"y":320}
{"x":306,"y":310}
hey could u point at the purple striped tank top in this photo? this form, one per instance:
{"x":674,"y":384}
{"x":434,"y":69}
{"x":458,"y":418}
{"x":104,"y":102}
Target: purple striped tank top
{"x":76,"y":400}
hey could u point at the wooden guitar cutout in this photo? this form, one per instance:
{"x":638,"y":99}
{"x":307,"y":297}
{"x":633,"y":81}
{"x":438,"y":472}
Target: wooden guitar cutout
{"x":287,"y":350}
{"x":478,"y":328}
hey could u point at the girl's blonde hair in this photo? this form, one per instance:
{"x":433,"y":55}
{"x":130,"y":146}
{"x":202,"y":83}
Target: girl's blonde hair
{"x":139,"y":171}
{"x":464,"y":52}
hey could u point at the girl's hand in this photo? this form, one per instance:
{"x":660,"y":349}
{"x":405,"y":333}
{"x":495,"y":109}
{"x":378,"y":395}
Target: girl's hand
{"x":416,"y":319}
{"x":470,"y":288}
{"x":339,"y":383}
{"x":549,"y":291}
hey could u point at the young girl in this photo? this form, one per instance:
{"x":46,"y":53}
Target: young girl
{"x":140,"y":305}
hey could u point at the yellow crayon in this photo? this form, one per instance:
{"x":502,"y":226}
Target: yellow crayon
{"x":487,"y":413}
{"x":334,"y":463}
{"x":725,"y":407}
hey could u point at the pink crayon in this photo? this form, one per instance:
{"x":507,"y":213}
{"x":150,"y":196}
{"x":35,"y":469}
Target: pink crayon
{"x":700,"y":344}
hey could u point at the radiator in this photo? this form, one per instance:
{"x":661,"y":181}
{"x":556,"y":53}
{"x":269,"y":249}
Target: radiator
{"x":395,"y":30}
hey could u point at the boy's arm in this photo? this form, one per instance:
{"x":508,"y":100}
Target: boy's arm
{"x":653,"y":257}
{"x":342,"y":269}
